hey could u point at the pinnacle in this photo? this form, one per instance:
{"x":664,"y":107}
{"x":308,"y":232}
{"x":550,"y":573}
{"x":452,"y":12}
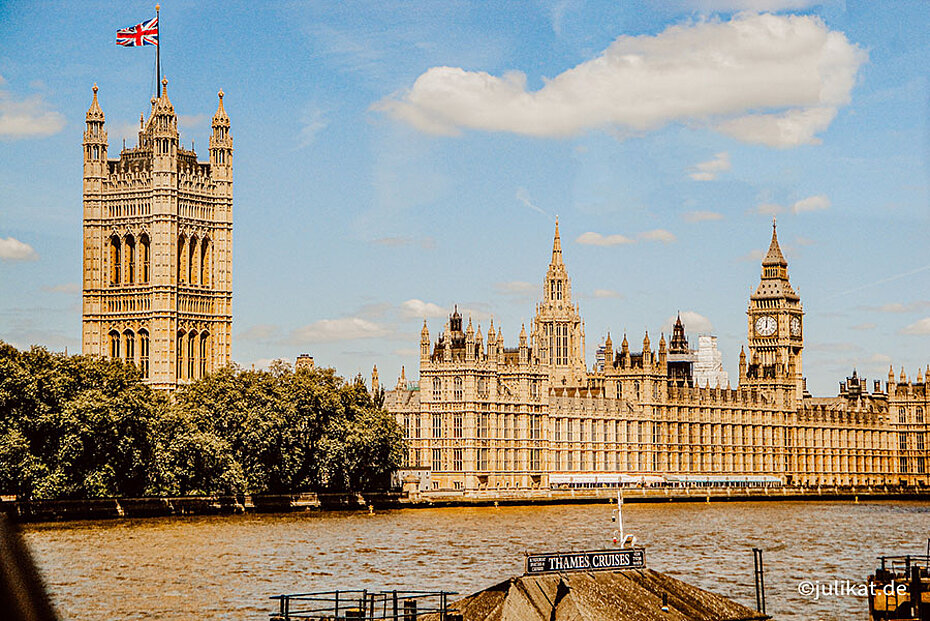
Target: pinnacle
{"x":557,"y":245}
{"x":774,"y":255}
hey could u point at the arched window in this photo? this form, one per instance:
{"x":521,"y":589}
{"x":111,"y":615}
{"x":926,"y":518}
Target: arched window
{"x":130,"y":252}
{"x":437,"y":388}
{"x":919,"y":415}
{"x":182,"y":254}
{"x":205,"y":249}
{"x":144,"y":259}
{"x":203,"y":356}
{"x":902,"y":415}
{"x":457,"y":389}
{"x":129,"y":346}
{"x":114,"y":344}
{"x":192,"y":261}
{"x":144,"y":352}
{"x":115,"y":259}
{"x":191,"y":354}
{"x":180,"y":355}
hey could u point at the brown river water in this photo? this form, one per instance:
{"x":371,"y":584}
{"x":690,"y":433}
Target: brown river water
{"x":210,"y":568}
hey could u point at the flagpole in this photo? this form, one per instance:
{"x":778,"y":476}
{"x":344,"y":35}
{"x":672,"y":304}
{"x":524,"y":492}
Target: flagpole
{"x":158,"y":54}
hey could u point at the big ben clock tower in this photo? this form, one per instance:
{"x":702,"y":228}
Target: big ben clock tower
{"x":776,"y":335}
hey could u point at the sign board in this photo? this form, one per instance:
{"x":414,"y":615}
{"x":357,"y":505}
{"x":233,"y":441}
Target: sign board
{"x":596,"y":560}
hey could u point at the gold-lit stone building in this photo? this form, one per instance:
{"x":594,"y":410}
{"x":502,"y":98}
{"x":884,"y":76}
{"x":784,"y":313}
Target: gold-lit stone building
{"x":158,"y":247}
{"x":487,"y":417}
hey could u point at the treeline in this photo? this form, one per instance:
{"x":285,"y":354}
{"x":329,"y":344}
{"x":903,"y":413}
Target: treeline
{"x":76,"y":427}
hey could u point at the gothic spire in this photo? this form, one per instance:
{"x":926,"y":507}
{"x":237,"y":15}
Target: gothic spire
{"x":95,"y":112}
{"x":557,"y":245}
{"x":774,"y":255}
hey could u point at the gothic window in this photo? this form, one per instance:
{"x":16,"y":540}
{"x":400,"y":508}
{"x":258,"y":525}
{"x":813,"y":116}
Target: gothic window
{"x":192,"y":261}
{"x":482,"y":387}
{"x":457,"y":430}
{"x":130,"y":252}
{"x":114,"y":344}
{"x":483,"y":459}
{"x":457,"y":463}
{"x":180,"y":355}
{"x":437,"y":425}
{"x":182,"y":253}
{"x":902,"y":415}
{"x":534,"y":389}
{"x":437,"y":388}
{"x":203,"y":356}
{"x":561,"y":344}
{"x":919,"y":415}
{"x":129,"y":341}
{"x":437,"y":460}
{"x":406,"y":425}
{"x":636,"y":389}
{"x":115,"y":259}
{"x":144,"y":259}
{"x":191,"y":354}
{"x":457,"y":389}
{"x":205,"y":251}
{"x":144,"y":353}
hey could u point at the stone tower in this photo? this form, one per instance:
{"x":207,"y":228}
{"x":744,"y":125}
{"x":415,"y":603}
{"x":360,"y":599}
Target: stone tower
{"x":558,"y":333}
{"x":158,"y":248}
{"x":775,"y":326}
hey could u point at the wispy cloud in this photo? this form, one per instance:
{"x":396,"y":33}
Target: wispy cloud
{"x":915,"y":306}
{"x":708,"y":171}
{"x":518,"y":289}
{"x":27,"y":117}
{"x":14,"y":250}
{"x":701,"y":216}
{"x":642,"y":83}
{"x":426,"y":243}
{"x":811,"y":203}
{"x":68,"y":288}
{"x":918,"y":327}
{"x":415,"y":308}
{"x":260,"y":332}
{"x":523,"y":196}
{"x":312,"y":121}
{"x":343,"y":329}
{"x":864,"y":326}
{"x":597,"y":239}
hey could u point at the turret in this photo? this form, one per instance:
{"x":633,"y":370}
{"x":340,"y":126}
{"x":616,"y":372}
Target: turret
{"x":220,"y":141}
{"x":742,"y":364}
{"x":163,"y":131}
{"x":662,"y":351}
{"x":469,"y":341}
{"x":402,"y":380}
{"x":424,"y":343}
{"x":625,"y":351}
{"x":608,"y":352}
{"x":479,"y":344}
{"x":375,"y":384}
{"x":95,"y":140}
{"x":647,"y":350}
{"x":524,"y":349}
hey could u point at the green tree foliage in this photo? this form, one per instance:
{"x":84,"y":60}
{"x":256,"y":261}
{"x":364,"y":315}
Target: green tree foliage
{"x":79,"y":427}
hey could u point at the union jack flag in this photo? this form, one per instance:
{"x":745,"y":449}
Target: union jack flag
{"x":145,"y":33}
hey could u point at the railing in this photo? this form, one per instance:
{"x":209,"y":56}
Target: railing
{"x":901,"y":566}
{"x":365,"y":605}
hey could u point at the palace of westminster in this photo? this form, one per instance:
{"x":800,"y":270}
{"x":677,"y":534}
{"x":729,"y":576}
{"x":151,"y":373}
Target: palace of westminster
{"x":157,"y":292}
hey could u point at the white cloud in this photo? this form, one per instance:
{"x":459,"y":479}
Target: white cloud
{"x":421,"y":310}
{"x":708,"y":171}
{"x":605,"y":293}
{"x":14,"y":250}
{"x":694,"y":323}
{"x":787,"y":129}
{"x":756,"y":6}
{"x":702,"y":216}
{"x":770,"y":79}
{"x":753,"y":255}
{"x":769,"y":209}
{"x":344,"y":329}
{"x":864,"y":326}
{"x":659,"y":235}
{"x":29,"y":117}
{"x":918,"y":327}
{"x":811,"y":203}
{"x":596,"y":239}
{"x":882,"y":358}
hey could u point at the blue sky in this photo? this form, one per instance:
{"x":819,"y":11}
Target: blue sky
{"x":395,"y":159}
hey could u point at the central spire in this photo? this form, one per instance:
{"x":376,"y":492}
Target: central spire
{"x":556,"y":245}
{"x":774,"y":255}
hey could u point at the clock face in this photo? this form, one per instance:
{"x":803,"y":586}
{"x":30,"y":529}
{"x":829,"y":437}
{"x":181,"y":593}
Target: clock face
{"x":766,"y":325}
{"x":795,"y":326}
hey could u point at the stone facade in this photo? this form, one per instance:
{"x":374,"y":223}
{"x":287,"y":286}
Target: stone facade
{"x":487,"y":417}
{"x":157,"y":285}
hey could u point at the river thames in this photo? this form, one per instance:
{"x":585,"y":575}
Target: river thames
{"x":226,"y":567}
